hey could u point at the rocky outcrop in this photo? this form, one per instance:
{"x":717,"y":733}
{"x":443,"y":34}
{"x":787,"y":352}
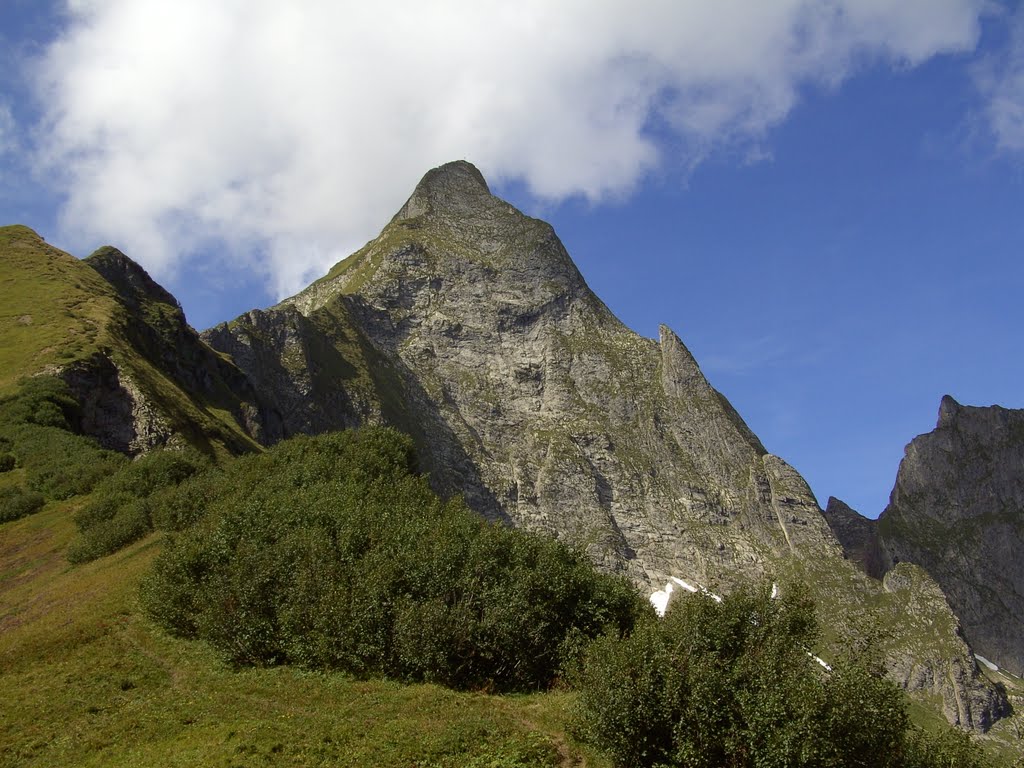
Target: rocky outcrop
{"x":115,"y":410}
{"x":952,"y":677}
{"x":571,"y":423}
{"x":957,"y":510}
{"x":198,"y":382}
{"x":858,"y":536}
{"x":132,"y":283}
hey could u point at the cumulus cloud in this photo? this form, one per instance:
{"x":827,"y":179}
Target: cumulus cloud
{"x":287,"y":133}
{"x":1000,"y":77}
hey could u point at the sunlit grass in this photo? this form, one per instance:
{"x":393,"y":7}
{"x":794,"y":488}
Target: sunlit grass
{"x":87,"y":681}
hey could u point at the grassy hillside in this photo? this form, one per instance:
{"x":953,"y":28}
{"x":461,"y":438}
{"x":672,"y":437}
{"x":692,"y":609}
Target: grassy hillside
{"x":87,"y":681}
{"x":56,"y":311}
{"x":53,"y":308}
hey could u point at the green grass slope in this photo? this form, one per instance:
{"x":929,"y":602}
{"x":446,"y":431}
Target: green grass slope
{"x":53,"y":308}
{"x":87,"y":681}
{"x":57,"y":312}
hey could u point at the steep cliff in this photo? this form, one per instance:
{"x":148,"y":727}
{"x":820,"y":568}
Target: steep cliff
{"x":957,"y":510}
{"x":531,"y":398}
{"x":858,"y":536}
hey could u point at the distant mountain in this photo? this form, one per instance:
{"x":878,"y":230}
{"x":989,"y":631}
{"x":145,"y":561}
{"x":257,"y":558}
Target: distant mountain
{"x":957,"y":510}
{"x":466,"y":324}
{"x":858,"y":536}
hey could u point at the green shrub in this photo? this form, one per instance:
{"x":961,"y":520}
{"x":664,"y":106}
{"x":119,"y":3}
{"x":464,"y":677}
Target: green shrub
{"x":36,"y":426}
{"x":946,"y":749}
{"x":155,"y":471}
{"x":61,"y":464}
{"x":42,"y":400}
{"x":7,"y":462}
{"x":121,"y":508}
{"x":181,"y":506}
{"x":129,"y":523}
{"x":17,"y":502}
{"x":330,"y":552}
{"x":732,"y":684}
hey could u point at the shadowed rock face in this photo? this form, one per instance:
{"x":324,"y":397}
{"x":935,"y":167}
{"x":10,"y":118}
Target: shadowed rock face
{"x":131,"y":281}
{"x":957,"y":510}
{"x":858,"y":536}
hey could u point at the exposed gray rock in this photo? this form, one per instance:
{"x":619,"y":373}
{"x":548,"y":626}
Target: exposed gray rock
{"x":199,"y":382}
{"x":115,"y":410}
{"x":466,"y":323}
{"x":578,"y":426}
{"x":954,"y":678}
{"x":858,"y":536}
{"x":957,"y":510}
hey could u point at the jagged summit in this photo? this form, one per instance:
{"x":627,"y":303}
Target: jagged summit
{"x":454,"y":235}
{"x":128,"y":277}
{"x":957,"y":509}
{"x":534,"y":400}
{"x":948,"y":410}
{"x":455,"y":187}
{"x":857,"y":534}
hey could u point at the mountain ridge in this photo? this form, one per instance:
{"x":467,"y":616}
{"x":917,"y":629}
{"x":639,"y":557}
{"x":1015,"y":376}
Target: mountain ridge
{"x":466,"y":324}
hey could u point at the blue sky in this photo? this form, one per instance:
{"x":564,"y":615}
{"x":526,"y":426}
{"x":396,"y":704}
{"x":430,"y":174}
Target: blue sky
{"x":823,"y":199}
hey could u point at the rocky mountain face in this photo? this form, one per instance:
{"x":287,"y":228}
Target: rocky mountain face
{"x":951,"y":676}
{"x":142,"y":375}
{"x":531,"y":398}
{"x":957,"y":510}
{"x":466,"y":324}
{"x":858,"y":536}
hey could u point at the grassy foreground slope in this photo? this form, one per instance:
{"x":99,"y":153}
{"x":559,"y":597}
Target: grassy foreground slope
{"x":86,"y":680}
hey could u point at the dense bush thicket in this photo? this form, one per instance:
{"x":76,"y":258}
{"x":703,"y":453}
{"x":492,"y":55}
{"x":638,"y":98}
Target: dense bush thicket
{"x":17,"y":502}
{"x":331,"y":552}
{"x":37,"y":434}
{"x":732,"y":684}
{"x":127,"y":505}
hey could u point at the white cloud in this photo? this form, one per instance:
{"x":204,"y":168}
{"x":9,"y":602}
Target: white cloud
{"x":294,"y":130}
{"x":10,"y":141}
{"x":1001,"y":79}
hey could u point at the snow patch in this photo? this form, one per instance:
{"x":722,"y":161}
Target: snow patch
{"x":661,"y":597}
{"x":987,"y":663}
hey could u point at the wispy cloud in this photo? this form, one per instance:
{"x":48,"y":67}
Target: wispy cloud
{"x":1000,"y":77}
{"x":749,"y":356}
{"x":8,"y":130}
{"x":287,"y":132}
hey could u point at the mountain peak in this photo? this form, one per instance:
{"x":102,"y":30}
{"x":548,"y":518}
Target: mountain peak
{"x":456,"y":187}
{"x":128,"y":278}
{"x":948,"y":410}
